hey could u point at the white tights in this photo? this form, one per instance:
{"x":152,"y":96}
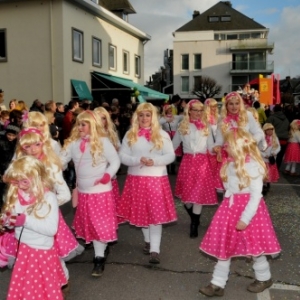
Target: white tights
{"x":261,"y":269}
{"x":99,"y":248}
{"x":197,"y":208}
{"x":291,"y":166}
{"x":152,"y":235}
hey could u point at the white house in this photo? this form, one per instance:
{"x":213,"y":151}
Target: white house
{"x":223,"y":44}
{"x":59,"y":49}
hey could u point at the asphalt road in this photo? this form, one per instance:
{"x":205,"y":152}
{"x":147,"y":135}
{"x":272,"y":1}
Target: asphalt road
{"x":183,"y":268}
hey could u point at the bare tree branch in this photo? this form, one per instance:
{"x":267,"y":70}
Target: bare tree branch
{"x":206,"y":87}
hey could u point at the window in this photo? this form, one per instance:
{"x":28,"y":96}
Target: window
{"x":225,"y":18}
{"x":125,"y":62}
{"x":213,"y":19}
{"x":137,"y":65}
{"x":185,"y":85}
{"x":97,"y":52}
{"x":77,"y":40}
{"x":244,"y":36}
{"x":197,"y":61}
{"x":232,"y":36}
{"x":197,"y":83}
{"x":112,"y":60}
{"x":3,"y":55}
{"x":184,"y":62}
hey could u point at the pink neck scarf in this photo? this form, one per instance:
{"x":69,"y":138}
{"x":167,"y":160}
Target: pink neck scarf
{"x":232,"y":117}
{"x":199,"y":125}
{"x":269,"y":140}
{"x":24,"y":201}
{"x":83,"y":143}
{"x":145,"y":132}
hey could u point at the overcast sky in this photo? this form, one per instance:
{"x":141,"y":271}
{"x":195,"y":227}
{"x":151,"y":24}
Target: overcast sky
{"x":159,"y":18}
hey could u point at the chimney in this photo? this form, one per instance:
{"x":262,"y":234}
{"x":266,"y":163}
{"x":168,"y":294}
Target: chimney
{"x":196,"y":13}
{"x":228,"y":3}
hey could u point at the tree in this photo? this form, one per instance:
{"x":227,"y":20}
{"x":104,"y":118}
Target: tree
{"x":206,"y":87}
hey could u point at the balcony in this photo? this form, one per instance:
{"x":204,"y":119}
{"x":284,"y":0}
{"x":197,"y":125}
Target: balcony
{"x":251,"y":67}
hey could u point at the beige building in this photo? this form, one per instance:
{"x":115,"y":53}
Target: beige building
{"x":223,"y":44}
{"x":55,"y":49}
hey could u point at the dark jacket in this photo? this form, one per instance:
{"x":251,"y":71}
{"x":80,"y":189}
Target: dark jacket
{"x":281,"y":124}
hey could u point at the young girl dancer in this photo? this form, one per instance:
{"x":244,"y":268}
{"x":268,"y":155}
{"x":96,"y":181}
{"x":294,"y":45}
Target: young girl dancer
{"x":96,"y":162}
{"x":32,"y":142}
{"x":147,"y":199}
{"x":39,"y":121}
{"x":195,"y":183}
{"x":212,"y":117}
{"x":292,"y":153}
{"x":242,"y":225}
{"x":169,"y":123}
{"x":32,"y":209}
{"x":111,"y":133}
{"x":273,"y":147}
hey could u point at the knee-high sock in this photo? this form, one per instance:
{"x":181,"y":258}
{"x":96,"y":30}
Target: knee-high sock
{"x":197,"y":209}
{"x":99,"y":248}
{"x":288,"y":166}
{"x":261,"y":268}
{"x":146,"y":233}
{"x":155,"y":237}
{"x":293,"y":167}
{"x":65,"y":269}
{"x":221,"y":272}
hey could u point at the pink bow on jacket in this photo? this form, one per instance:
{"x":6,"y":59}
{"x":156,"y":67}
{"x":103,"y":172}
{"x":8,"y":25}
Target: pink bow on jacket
{"x":146,"y":132}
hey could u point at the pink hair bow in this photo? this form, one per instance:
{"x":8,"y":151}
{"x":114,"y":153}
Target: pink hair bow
{"x":25,"y":116}
{"x":30,"y":130}
{"x":146,"y":132}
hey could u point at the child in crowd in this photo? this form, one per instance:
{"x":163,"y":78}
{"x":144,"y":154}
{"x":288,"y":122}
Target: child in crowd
{"x":169,"y":123}
{"x":195,"y":183}
{"x":147,"y":200}
{"x":31,"y":208}
{"x":96,"y":162}
{"x":111,"y":133}
{"x":292,"y":153}
{"x":7,"y":149}
{"x":212,"y":117}
{"x":32,"y":142}
{"x":38,"y":120}
{"x":269,"y":155}
{"x":242,"y":225}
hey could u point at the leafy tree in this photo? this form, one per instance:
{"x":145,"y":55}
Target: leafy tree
{"x":206,"y":87}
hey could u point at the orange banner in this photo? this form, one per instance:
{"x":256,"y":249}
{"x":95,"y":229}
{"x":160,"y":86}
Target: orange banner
{"x":266,"y":91}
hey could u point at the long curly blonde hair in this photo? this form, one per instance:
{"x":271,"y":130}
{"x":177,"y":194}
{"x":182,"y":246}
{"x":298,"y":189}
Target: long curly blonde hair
{"x":184,"y":126}
{"x":30,"y":136}
{"x":294,"y":127}
{"x":30,"y":168}
{"x":267,"y":126}
{"x":208,"y":104}
{"x":243,"y":118}
{"x":96,"y":132}
{"x":110,"y":127}
{"x":240,"y":144}
{"x":156,"y":137}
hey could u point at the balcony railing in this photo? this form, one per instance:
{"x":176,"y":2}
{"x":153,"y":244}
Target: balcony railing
{"x":252,"y":66}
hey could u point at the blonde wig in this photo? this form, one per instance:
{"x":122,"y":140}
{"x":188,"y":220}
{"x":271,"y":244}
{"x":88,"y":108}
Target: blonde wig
{"x":31,"y":169}
{"x":211,"y":116}
{"x":254,"y":113}
{"x":294,"y":127}
{"x":240,"y":145}
{"x":267,"y":126}
{"x":184,"y":125}
{"x":165,"y":110}
{"x":31,"y":135}
{"x":96,"y":132}
{"x":156,"y":137}
{"x":243,"y":118}
{"x":38,"y":120}
{"x":110,"y":127}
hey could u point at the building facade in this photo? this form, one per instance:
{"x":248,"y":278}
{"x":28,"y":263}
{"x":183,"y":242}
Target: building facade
{"x":222,"y":44}
{"x":50,"y":49}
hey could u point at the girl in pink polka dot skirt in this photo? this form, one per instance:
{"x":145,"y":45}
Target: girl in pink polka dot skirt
{"x":273,"y":147}
{"x":242,"y":225}
{"x":32,"y":142}
{"x":96,"y":162}
{"x":212,"y":116}
{"x":292,"y":153}
{"x":32,"y":209}
{"x":112,"y":134}
{"x":195,"y":184}
{"x":234,"y":115}
{"x":147,"y":199}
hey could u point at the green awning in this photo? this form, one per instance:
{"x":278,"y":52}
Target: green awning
{"x":145,"y":93}
{"x":82,"y":89}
